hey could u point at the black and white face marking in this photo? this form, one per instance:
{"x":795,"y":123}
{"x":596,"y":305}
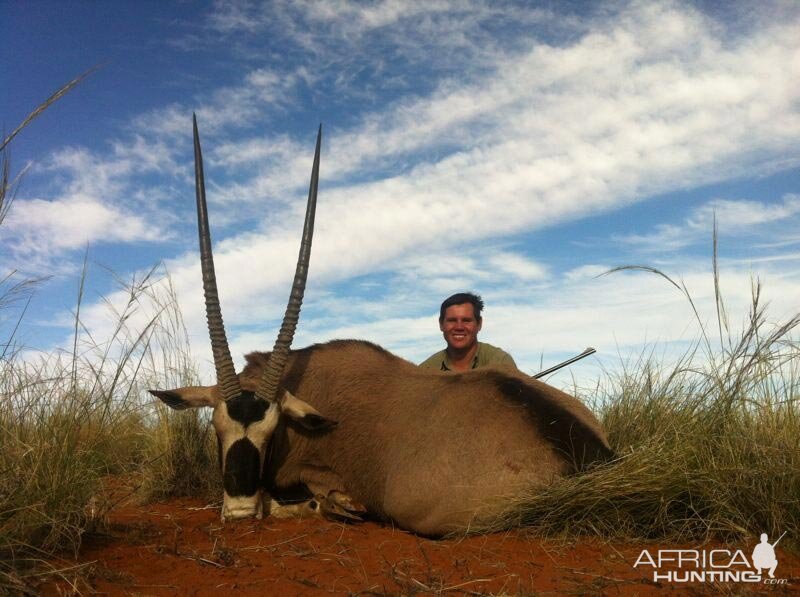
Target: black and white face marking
{"x":244,"y":426}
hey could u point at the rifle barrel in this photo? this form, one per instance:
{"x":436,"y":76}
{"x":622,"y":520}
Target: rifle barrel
{"x":585,"y":353}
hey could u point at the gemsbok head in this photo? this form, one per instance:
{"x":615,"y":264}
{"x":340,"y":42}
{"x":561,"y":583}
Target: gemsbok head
{"x":244,"y":420}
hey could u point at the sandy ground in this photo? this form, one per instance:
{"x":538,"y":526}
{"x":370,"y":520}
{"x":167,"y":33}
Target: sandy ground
{"x":180,"y":547}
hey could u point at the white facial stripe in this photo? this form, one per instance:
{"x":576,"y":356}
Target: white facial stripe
{"x":260,"y":432}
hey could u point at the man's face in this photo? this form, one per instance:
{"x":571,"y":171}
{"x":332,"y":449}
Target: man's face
{"x":459,"y":327}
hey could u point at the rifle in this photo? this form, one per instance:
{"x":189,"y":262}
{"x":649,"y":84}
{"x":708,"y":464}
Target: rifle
{"x":585,"y":353}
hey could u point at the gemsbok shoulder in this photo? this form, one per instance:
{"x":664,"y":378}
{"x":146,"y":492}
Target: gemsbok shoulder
{"x":363,"y":431}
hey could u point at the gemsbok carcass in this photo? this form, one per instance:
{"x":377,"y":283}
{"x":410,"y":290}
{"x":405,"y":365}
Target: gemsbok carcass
{"x":364,"y":431}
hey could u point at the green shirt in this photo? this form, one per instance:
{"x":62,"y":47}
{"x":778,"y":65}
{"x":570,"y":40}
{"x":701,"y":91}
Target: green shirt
{"x":487,"y":355}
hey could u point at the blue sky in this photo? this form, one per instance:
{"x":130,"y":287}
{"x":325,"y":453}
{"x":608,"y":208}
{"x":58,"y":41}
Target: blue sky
{"x":516,"y":149}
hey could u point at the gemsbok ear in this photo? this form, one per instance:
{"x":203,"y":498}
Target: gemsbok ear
{"x":188,"y":397}
{"x":305,"y":414}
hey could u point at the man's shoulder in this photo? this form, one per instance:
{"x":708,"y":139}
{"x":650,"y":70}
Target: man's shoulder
{"x":434,"y":361}
{"x":490,"y":348}
{"x":489,"y":354}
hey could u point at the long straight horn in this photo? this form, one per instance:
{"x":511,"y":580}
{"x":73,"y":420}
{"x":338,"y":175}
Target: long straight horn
{"x":268,"y":389}
{"x":227,"y":382}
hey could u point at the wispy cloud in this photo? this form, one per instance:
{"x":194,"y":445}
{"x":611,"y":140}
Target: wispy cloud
{"x":667,"y":96}
{"x":90,"y":202}
{"x":463,"y":31}
{"x":260,"y":94}
{"x":38,"y":229}
{"x":732,"y":217}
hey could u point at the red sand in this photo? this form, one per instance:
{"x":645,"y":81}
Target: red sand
{"x":180,"y":548}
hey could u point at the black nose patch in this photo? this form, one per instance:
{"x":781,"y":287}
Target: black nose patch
{"x":242,"y":467}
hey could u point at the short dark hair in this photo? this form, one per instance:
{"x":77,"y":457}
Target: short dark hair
{"x":461,"y":298}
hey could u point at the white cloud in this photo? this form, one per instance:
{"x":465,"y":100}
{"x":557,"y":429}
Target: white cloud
{"x":738,"y":215}
{"x":654,"y":103}
{"x":337,"y":32}
{"x":235,"y":15}
{"x":362,"y":18}
{"x":261,"y":93}
{"x":145,"y":155}
{"x":732,"y":217}
{"x":93,"y":203}
{"x":47,"y":227}
{"x":88,"y":174}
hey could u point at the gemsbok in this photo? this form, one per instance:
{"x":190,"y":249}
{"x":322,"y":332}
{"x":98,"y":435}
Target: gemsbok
{"x":362,"y":431}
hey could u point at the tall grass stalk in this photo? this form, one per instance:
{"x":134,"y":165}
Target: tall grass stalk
{"x":54,"y":97}
{"x":9,"y":185}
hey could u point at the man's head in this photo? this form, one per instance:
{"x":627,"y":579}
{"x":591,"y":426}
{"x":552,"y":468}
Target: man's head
{"x":460,"y":320}
{"x":462,"y":298}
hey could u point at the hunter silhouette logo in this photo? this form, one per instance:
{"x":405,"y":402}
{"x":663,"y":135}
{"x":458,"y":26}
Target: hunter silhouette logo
{"x":764,"y":555}
{"x":714,"y":565}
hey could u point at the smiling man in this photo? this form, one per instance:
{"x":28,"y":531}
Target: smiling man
{"x":460,"y":321}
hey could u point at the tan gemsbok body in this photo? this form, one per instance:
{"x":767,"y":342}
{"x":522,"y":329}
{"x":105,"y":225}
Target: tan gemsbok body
{"x":433,"y":452}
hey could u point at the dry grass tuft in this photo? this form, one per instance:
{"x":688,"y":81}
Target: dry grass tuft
{"x":70,"y":419}
{"x":709,"y":449}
